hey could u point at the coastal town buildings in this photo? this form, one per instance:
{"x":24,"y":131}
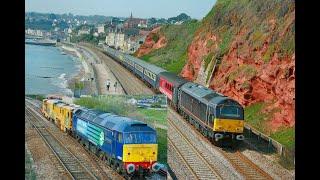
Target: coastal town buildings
{"x":100,"y":28}
{"x":83,"y":31}
{"x":134,"y":22}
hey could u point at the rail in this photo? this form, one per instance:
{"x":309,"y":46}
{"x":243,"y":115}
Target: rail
{"x":196,"y":163}
{"x":72,"y":165}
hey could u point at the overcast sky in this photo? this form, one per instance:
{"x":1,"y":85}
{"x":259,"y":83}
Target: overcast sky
{"x":122,"y":8}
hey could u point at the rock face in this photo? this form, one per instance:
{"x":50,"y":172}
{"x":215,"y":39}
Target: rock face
{"x":252,"y":46}
{"x":153,"y":41}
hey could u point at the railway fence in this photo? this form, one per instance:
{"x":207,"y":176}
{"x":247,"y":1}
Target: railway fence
{"x":266,"y":144}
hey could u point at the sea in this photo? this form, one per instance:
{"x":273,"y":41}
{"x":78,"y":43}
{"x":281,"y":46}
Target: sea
{"x":47,"y":70}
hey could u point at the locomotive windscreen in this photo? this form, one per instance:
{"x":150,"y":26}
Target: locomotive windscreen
{"x":233,"y":112}
{"x":140,"y":138}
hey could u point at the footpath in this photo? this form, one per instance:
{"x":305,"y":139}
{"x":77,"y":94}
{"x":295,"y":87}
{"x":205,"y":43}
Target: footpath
{"x":102,"y":73}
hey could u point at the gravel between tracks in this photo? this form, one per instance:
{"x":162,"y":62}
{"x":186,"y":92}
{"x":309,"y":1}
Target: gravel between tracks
{"x":269,"y":165}
{"x":44,"y":166}
{"x":214,"y":157}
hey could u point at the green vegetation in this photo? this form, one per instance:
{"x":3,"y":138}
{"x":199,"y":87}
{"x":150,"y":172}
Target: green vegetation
{"x":207,"y":59}
{"x":155,"y":38}
{"x":159,"y":117}
{"x":36,"y":96}
{"x":162,"y":145}
{"x":268,"y":55}
{"x":78,"y":85}
{"x":85,"y":38}
{"x":247,"y":71}
{"x":285,"y":136}
{"x":115,"y":104}
{"x":29,"y":171}
{"x":253,"y":115}
{"x":173,"y":56}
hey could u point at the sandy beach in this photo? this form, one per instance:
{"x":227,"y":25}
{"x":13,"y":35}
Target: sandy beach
{"x":84,"y":74}
{"x":92,"y":67}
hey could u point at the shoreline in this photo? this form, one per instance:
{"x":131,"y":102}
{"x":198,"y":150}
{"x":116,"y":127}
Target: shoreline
{"x":80,"y":74}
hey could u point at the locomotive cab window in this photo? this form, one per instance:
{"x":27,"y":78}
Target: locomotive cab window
{"x":230,"y":111}
{"x":140,"y":138}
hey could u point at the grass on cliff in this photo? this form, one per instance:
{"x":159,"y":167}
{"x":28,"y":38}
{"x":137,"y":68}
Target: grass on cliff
{"x":255,"y":117}
{"x":173,"y":56}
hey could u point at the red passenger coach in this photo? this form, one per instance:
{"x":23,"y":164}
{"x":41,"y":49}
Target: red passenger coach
{"x":169,"y":84}
{"x":166,"y":87}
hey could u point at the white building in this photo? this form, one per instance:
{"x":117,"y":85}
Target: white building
{"x":116,"y":40}
{"x":110,"y":39}
{"x":95,"y":34}
{"x":81,"y":31}
{"x":119,"y":41}
{"x":69,"y":30}
{"x":100,"y":29}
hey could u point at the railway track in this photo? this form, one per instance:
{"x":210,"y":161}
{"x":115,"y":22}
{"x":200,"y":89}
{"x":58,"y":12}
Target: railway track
{"x":130,"y":83}
{"x":71,"y":164}
{"x":104,"y":171}
{"x":241,"y":163}
{"x":199,"y":167}
{"x":99,"y":169}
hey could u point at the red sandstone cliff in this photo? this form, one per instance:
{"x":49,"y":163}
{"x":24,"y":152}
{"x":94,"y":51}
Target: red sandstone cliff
{"x":152,"y":42}
{"x":256,"y":54}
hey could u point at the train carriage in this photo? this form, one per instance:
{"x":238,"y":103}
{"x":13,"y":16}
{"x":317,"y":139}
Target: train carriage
{"x":58,"y":111}
{"x":147,"y":72}
{"x":127,"y":145}
{"x":169,"y":84}
{"x":214,"y":114}
{"x":48,"y":108}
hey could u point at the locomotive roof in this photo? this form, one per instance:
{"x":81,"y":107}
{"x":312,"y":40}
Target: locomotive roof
{"x":151,"y":67}
{"x":112,"y":121}
{"x":53,"y":100}
{"x":173,"y":78}
{"x":205,"y":94}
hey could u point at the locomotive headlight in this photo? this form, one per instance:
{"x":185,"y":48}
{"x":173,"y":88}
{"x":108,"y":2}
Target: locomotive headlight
{"x":130,"y":168}
{"x":156,"y":167}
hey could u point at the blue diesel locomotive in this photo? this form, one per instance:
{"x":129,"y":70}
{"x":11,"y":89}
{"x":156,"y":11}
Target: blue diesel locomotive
{"x":127,"y":145}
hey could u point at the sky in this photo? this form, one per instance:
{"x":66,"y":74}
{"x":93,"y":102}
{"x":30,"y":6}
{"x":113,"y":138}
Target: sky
{"x":122,"y":8}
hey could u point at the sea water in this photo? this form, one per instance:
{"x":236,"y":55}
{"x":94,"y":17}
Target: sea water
{"x":47,"y":70}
